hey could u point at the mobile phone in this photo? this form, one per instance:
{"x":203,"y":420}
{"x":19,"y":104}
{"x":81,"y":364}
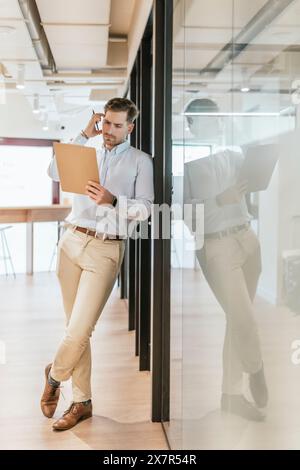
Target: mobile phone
{"x":96,"y":124}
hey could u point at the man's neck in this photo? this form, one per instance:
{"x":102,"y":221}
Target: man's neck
{"x":110,"y":147}
{"x":113,"y":146}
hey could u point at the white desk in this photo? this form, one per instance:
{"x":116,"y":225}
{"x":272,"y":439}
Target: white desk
{"x":29,"y":215}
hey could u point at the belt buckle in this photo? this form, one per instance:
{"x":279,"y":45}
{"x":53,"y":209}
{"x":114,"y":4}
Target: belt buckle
{"x":98,"y":236}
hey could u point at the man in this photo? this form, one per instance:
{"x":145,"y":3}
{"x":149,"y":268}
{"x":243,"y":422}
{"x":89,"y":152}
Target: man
{"x":230,"y":258}
{"x":91,"y":250}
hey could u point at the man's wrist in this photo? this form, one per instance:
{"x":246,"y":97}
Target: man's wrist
{"x":84,"y":134}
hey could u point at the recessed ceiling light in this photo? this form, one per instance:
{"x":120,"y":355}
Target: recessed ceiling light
{"x":245,"y":89}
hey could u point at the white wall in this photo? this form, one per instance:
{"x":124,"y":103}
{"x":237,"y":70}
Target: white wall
{"x":268,"y":237}
{"x":289,"y":198}
{"x":18,"y":120}
{"x":278,"y":206}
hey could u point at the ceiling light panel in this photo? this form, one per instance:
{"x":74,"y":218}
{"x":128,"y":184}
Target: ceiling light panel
{"x":77,"y":32}
{"x":74,"y":11}
{"x":78,"y":46}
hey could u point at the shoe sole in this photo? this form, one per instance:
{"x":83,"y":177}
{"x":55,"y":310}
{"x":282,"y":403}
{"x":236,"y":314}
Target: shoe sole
{"x":263,"y":397}
{"x":260,"y":403}
{"x":80,"y":419}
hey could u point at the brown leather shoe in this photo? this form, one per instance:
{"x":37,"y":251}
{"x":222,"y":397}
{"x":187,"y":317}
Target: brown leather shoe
{"x":50,"y":396}
{"x":258,"y":387}
{"x":75,"y":413}
{"x":238,"y":405}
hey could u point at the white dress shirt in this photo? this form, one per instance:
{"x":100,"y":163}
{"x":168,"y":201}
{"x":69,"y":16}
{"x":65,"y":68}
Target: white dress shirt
{"x":128,"y":174}
{"x":218,"y":172}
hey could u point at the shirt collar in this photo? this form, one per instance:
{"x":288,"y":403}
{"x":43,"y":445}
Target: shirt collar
{"x":118,"y":148}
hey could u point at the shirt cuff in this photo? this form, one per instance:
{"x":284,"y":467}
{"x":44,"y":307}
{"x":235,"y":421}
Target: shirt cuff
{"x":80,"y":140}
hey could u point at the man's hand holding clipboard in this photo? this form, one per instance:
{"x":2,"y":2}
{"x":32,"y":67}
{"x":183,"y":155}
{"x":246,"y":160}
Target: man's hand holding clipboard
{"x":99,"y":194}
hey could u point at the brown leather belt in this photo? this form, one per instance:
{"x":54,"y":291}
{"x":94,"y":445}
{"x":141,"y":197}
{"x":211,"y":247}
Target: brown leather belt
{"x":228,"y":231}
{"x":92,"y":233}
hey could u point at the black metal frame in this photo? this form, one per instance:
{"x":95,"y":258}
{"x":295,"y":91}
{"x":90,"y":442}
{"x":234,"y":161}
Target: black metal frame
{"x":162,"y":127}
{"x":149,"y":261}
{"x":123,"y":276}
{"x":144,"y":260}
{"x":139,"y":251}
{"x":131,"y":242}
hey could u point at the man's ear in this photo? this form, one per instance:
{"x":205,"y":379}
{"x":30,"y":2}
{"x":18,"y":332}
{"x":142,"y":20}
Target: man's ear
{"x":130,"y":127}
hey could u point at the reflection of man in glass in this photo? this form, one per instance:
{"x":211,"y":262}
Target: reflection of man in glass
{"x":230,"y":259}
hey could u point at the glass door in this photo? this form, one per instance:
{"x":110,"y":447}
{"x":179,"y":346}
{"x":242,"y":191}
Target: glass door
{"x":235,"y":248}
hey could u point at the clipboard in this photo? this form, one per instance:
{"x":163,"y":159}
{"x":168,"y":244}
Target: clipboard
{"x":258,"y":166}
{"x":76,"y":165}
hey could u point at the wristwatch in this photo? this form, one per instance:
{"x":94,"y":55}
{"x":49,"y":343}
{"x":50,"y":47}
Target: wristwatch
{"x":114,"y":201}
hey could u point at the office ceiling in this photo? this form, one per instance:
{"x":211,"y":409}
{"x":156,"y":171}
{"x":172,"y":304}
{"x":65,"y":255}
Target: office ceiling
{"x":264,"y":56}
{"x":75,"y":54}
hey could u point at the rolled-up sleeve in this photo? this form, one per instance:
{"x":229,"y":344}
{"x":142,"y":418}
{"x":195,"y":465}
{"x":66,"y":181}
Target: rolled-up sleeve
{"x":127,"y":209}
{"x":139,"y":208}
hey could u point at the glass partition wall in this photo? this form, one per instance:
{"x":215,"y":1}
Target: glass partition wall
{"x":235,"y":260}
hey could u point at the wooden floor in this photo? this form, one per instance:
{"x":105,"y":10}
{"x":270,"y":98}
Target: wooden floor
{"x":31,"y":326}
{"x":197,"y":334}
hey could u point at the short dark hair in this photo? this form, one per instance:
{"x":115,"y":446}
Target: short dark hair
{"x":122,"y":104}
{"x":201,"y":105}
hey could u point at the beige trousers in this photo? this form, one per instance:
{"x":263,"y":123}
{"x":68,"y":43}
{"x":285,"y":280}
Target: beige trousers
{"x":232,"y":266}
{"x":87,"y":269}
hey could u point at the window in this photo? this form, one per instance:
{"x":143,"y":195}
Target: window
{"x":24,"y":182}
{"x":23,"y":176}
